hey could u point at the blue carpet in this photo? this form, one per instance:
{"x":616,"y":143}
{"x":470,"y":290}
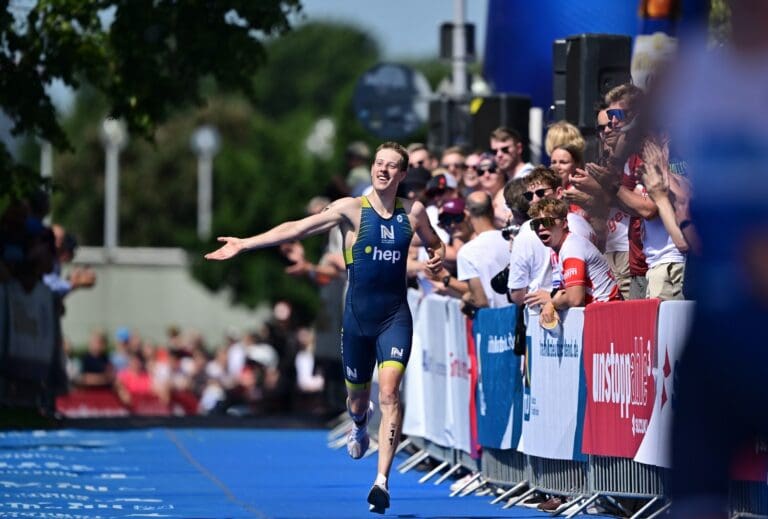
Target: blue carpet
{"x":208,"y":473}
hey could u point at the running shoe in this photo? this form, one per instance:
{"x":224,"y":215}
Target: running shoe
{"x":358,"y":439}
{"x":378,"y":498}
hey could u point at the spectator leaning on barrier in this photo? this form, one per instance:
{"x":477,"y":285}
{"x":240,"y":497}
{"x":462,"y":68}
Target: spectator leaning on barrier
{"x":532,"y":272}
{"x":586,"y":276}
{"x":482,"y":257}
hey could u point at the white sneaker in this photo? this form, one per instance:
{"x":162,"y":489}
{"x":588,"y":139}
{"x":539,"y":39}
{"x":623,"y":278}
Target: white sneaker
{"x":378,"y":498}
{"x":358,"y":439}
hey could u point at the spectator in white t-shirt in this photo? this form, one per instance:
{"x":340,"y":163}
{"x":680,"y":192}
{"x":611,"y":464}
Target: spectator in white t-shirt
{"x":530,"y":268}
{"x":484,"y":256}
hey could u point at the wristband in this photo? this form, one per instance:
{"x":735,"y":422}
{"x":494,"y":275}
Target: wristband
{"x":554,"y":292}
{"x":447,"y":281}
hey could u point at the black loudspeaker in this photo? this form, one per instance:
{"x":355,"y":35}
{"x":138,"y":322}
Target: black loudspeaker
{"x":594,"y":64}
{"x":488,"y":113}
{"x":448,"y":124}
{"x":470,"y":123}
{"x":559,"y":48}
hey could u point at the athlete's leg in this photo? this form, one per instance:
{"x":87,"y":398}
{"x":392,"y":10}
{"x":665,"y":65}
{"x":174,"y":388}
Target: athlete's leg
{"x":358,"y":398}
{"x":390,"y":377}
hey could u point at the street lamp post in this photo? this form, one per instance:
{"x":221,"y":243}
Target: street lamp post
{"x":205,"y":144}
{"x":114,"y":137}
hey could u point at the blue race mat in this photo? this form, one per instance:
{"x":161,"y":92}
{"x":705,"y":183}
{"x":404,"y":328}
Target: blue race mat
{"x":208,"y":473}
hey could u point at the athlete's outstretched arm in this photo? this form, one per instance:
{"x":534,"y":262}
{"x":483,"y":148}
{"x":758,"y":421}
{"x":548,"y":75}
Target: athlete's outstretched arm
{"x":331,"y":216}
{"x":432,"y":242}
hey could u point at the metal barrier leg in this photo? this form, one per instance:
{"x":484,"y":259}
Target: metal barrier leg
{"x":645,"y":507}
{"x":512,"y":502}
{"x":432,"y":472}
{"x":469,"y":488}
{"x":583,"y":505}
{"x":339,"y":443}
{"x":660,"y":511}
{"x":509,"y":492}
{"x":413,"y":461}
{"x":339,"y":430}
{"x":402,"y":445}
{"x":471,"y":480}
{"x":448,"y":474}
{"x":618,"y":505}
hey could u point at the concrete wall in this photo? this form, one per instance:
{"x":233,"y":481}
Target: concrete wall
{"x":147,"y":290}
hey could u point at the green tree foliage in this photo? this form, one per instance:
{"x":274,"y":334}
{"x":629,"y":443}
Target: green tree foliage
{"x":262,"y":174}
{"x":149,"y":61}
{"x":719,"y":23}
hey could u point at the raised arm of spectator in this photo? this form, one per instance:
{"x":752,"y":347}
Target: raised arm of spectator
{"x":655,"y":175}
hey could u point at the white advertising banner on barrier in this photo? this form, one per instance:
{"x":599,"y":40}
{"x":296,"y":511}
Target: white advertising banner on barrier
{"x":552,"y":409}
{"x":414,"y":421}
{"x":457,"y":426}
{"x":674,"y":324}
{"x":437,"y":379}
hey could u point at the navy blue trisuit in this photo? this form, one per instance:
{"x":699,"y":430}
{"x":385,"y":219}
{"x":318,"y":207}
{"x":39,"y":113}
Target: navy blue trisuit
{"x":377,"y":326}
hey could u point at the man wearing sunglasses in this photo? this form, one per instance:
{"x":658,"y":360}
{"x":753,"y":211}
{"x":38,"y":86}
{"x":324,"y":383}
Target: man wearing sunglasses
{"x":507,"y":149}
{"x":586,"y":276}
{"x":531,"y":273}
{"x":419,"y":156}
{"x":621,"y":179}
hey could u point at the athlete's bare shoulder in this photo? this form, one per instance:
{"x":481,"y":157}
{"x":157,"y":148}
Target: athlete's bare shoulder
{"x":347,"y":207}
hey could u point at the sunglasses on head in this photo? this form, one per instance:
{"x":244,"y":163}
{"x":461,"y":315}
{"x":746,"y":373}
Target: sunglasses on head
{"x":545,"y":221}
{"x":528,"y":195}
{"x":503,"y":149}
{"x":446,"y":220}
{"x":457,"y":165}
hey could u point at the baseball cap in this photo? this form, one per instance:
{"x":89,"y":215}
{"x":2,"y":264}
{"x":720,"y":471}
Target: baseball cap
{"x":453,"y":206}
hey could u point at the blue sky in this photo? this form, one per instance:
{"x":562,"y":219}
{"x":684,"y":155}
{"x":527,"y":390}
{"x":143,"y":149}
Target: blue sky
{"x":403,"y":28}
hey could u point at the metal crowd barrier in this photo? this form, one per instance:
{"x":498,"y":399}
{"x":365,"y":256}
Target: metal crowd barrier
{"x":748,"y":499}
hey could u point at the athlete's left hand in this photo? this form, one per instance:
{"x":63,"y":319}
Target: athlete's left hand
{"x":435,"y":262}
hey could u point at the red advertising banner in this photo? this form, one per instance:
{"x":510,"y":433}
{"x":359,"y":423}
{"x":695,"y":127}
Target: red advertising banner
{"x":620,"y":367}
{"x":751,"y":462}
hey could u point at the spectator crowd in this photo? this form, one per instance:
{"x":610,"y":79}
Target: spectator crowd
{"x":602,"y":222}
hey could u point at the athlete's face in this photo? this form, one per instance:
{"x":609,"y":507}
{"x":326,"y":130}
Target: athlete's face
{"x":385,"y":170}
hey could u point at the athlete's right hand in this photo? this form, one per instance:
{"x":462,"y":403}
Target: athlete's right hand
{"x":231,"y":247}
